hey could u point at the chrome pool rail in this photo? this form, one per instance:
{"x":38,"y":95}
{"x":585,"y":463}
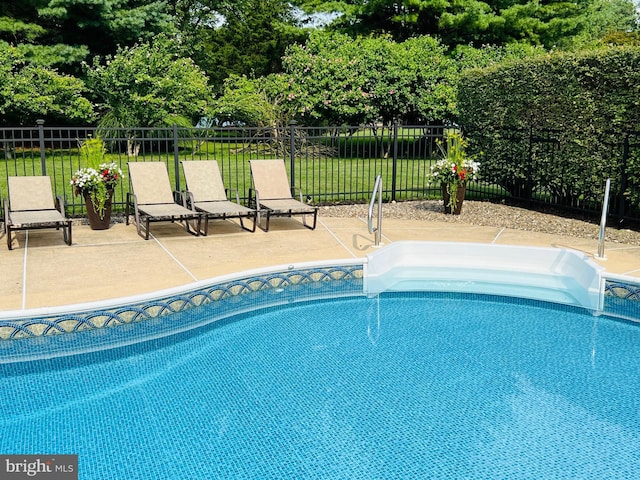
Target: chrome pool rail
{"x":377,"y":190}
{"x":603,"y":221}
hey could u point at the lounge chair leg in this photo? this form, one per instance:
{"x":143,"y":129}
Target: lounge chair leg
{"x":188,"y":227}
{"x":315,"y":221}
{"x":66,"y":233}
{"x":259,"y":221}
{"x":264,"y":228}
{"x":251,"y":217}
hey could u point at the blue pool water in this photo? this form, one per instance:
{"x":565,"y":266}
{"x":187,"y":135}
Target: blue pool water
{"x":398,"y":386}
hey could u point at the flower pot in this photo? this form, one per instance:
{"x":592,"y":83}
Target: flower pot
{"x":446,"y":196}
{"x":97,"y":221}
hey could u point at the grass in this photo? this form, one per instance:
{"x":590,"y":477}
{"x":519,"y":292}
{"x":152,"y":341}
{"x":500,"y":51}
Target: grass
{"x":327,"y":180}
{"x":331,"y":169}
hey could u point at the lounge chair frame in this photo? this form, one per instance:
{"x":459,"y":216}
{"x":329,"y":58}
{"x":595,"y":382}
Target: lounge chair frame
{"x":207,"y":194}
{"x":272,"y":194}
{"x":158,"y":203}
{"x":31,"y":206}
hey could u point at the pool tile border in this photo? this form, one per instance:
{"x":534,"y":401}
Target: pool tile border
{"x":44,"y":325}
{"x":159,"y":316}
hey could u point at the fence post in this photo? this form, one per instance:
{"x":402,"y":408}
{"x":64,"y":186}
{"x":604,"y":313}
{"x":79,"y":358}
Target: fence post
{"x":529,"y":180}
{"x":394,"y":164}
{"x":176,"y":159}
{"x":623,"y":177}
{"x":292,"y":153}
{"x":43,"y":158}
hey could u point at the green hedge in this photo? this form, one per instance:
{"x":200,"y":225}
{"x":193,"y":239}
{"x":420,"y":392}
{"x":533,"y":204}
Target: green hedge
{"x":558,"y":125}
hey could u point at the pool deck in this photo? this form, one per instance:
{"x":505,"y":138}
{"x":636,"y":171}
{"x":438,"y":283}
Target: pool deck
{"x":42,"y":271}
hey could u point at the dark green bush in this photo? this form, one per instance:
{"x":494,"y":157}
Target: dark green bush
{"x":558,"y":125}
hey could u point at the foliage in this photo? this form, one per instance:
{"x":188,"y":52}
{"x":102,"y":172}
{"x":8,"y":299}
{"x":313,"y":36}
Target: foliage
{"x":621,"y":38}
{"x":467,"y":56}
{"x":63,"y":33}
{"x":98,"y":180}
{"x":497,"y":22}
{"x":21,"y":27}
{"x":148,"y":85}
{"x":256,"y":103}
{"x":339,"y":80}
{"x":103,"y":25}
{"x":29,"y":92}
{"x":252,"y":102}
{"x":455,"y":168}
{"x":547,"y":121}
{"x":249,"y":39}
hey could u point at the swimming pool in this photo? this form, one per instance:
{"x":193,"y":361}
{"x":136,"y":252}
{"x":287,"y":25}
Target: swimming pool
{"x":404,"y":385}
{"x":393,"y":385}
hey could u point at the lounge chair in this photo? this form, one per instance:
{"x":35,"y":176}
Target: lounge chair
{"x":206,"y":194}
{"x":31,"y":206}
{"x":153,"y":200}
{"x":271,"y":193}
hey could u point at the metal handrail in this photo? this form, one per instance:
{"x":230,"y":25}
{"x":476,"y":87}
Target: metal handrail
{"x":603,"y":221}
{"x":378,"y":230}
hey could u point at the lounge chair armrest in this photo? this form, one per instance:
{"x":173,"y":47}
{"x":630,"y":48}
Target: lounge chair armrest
{"x":234,"y":192}
{"x":60,"y":206}
{"x":131,"y":202}
{"x":188,"y":200}
{"x":5,"y":204}
{"x":295,"y":190}
{"x":254,"y":198}
{"x":131,"y":199}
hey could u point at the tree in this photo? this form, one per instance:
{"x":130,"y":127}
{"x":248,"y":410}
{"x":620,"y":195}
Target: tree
{"x":466,"y":56}
{"x":462,"y":22}
{"x":21,"y":27}
{"x":252,"y":102}
{"x":556,"y":122}
{"x":337,"y":79}
{"x":245,"y":37}
{"x":149,"y":85}
{"x":29,"y":92}
{"x":104,"y":25}
{"x":327,"y":81}
{"x":63,"y":33}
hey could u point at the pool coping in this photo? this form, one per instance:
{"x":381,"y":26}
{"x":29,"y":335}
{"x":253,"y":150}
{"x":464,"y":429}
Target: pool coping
{"x":619,"y":297}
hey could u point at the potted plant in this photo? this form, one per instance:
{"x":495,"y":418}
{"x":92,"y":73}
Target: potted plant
{"x":453,"y":171}
{"x":96,"y":183}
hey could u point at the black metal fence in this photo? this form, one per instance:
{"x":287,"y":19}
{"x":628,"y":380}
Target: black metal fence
{"x":330,"y":165}
{"x":340,"y":164}
{"x":561,"y":169}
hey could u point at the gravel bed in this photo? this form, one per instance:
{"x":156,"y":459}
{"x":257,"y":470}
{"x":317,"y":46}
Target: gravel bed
{"x":492,"y":215}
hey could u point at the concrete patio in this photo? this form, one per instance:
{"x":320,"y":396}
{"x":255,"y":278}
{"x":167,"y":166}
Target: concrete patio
{"x":43,"y":271}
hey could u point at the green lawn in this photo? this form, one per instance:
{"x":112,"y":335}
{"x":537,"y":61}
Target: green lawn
{"x":327,"y":180}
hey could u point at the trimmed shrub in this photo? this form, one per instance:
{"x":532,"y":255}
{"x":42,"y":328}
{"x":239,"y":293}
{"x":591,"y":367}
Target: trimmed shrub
{"x":556,"y":126}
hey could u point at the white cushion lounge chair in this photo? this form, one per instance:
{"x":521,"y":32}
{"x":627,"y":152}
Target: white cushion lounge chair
{"x":153,"y":200}
{"x":272,"y":193}
{"x":31,"y":206}
{"x":206,"y":194}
